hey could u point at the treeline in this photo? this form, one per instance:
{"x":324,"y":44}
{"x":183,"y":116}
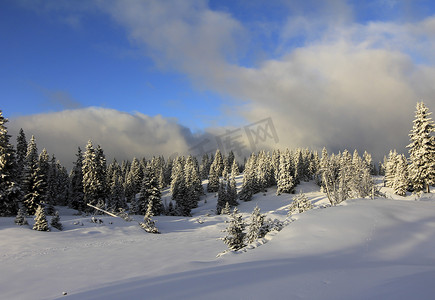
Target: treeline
{"x":30,"y":180}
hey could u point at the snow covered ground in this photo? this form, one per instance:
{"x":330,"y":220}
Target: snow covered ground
{"x":361,"y":249}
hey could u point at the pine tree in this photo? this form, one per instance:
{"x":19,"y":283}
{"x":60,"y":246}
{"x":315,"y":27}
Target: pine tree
{"x":204,"y":168}
{"x":249,"y":184}
{"x":92,"y":184}
{"x":133,"y":181}
{"x":401,"y":181}
{"x":150,"y":192}
{"x":226,"y":169}
{"x":20,"y":219}
{"x":235,"y":238}
{"x":264,"y":171}
{"x":348,"y":175}
{"x":226,"y":210}
{"x":55,"y":221}
{"x":330,"y":178}
{"x":276,"y":154}
{"x":213,"y":179}
{"x":256,"y":227}
{"x":62,"y":185}
{"x":324,"y":160}
{"x":76,"y":195}
{"x":300,"y":204}
{"x":10,"y":191}
{"x":299,"y":164}
{"x":218,"y":162}
{"x":179,"y":189}
{"x":116,"y":198}
{"x":285,"y":181}
{"x":234,"y":169}
{"x":33,"y":183}
{"x":231,"y":158}
{"x":148,"y":223}
{"x":21,"y":156}
{"x":101,"y":188}
{"x":390,"y":168}
{"x":422,"y":150}
{"x":52,"y":180}
{"x":222,"y":198}
{"x":232,"y":192}
{"x":192,"y":182}
{"x":41,"y":223}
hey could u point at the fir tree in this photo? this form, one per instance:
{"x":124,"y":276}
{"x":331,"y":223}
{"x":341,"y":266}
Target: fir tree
{"x":62,"y":185}
{"x":226,"y":210}
{"x":10,"y":191}
{"x":76,"y":195}
{"x":55,"y":221}
{"x":234,"y":169}
{"x":232,"y":192}
{"x":92,"y":184}
{"x":276,"y":154}
{"x":285,"y":181}
{"x":133,"y":181}
{"x":148,"y":223}
{"x":330,"y":178}
{"x":150,"y":192}
{"x":222,"y":198}
{"x":390,"y":168}
{"x":231,"y":158}
{"x":21,"y":155}
{"x":101,"y":188}
{"x":226,"y":169}
{"x":300,"y":204}
{"x":348,"y":175}
{"x":116,"y":198}
{"x":52,"y":182}
{"x":249,"y":184}
{"x":178,"y":188}
{"x":235,"y":238}
{"x":401,"y":181}
{"x":41,"y":223}
{"x":218,"y":162}
{"x":204,"y":168}
{"x":299,"y":164}
{"x":256,"y":228}
{"x":213,"y":179}
{"x":264,"y":171}
{"x":33,"y":183}
{"x":20,"y":219}
{"x":323,"y":167}
{"x":422,"y":150}
{"x":192,"y":182}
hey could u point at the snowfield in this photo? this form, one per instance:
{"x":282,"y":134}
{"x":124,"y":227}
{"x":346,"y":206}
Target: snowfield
{"x":361,"y":249}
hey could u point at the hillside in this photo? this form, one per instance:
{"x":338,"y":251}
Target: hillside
{"x":361,"y":249}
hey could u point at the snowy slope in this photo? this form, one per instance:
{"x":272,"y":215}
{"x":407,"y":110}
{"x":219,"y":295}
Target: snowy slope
{"x":363,"y":249}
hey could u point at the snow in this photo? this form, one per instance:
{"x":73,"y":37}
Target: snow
{"x":361,"y":249}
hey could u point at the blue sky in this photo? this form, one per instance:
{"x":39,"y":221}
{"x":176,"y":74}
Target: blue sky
{"x":320,"y":69}
{"x":48,"y":65}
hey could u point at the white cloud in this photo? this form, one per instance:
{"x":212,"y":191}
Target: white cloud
{"x":121,"y":135}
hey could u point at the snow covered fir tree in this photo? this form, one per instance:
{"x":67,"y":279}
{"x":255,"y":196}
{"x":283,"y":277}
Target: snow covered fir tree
{"x":235,"y":238}
{"x":422,"y":150}
{"x":41,"y":223}
{"x":10,"y":191}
